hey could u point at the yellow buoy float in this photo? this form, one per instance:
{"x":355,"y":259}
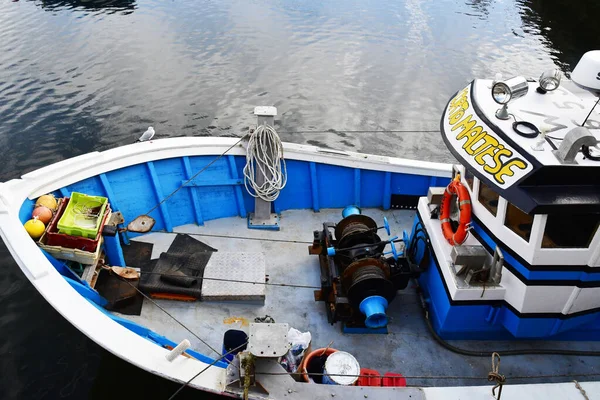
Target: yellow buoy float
{"x":47,"y":200}
{"x":35,"y":228}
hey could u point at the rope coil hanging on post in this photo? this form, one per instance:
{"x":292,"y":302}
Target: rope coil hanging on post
{"x":265,"y":155}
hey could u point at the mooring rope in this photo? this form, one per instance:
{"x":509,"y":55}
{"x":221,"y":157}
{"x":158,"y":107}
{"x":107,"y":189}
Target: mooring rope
{"x":495,"y":376}
{"x":581,"y":390}
{"x":265,"y":156}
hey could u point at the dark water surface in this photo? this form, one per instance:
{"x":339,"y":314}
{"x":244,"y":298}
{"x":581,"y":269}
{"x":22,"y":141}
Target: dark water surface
{"x":78,"y":76}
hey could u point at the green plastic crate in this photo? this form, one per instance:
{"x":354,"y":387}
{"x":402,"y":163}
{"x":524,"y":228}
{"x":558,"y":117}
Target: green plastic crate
{"x":83,"y":215}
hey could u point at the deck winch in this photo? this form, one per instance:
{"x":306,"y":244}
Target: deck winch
{"x":359,"y":278}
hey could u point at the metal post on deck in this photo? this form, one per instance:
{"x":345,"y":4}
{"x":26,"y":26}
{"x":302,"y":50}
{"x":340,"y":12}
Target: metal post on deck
{"x":262,"y":217}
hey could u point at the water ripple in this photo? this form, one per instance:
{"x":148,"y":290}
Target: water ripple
{"x":77,"y":76}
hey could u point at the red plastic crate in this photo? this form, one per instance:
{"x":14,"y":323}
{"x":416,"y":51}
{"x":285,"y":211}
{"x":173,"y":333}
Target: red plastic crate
{"x":369,"y":377}
{"x":53,"y":238}
{"x":392,"y":379}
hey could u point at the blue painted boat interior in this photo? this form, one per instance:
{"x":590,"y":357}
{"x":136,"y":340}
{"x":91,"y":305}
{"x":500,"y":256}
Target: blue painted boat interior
{"x":219,"y":192}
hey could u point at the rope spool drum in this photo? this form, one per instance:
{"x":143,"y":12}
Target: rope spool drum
{"x":368,"y":277}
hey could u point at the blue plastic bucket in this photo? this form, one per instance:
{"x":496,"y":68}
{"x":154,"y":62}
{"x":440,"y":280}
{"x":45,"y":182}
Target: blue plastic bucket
{"x":232,"y":339}
{"x":341,"y":368}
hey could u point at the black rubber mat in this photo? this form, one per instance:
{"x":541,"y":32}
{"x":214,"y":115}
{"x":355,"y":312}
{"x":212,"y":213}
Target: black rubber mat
{"x":177,"y":270}
{"x":137,"y":254}
{"x":121,"y":296}
{"x":185,"y":245}
{"x":189,"y":266}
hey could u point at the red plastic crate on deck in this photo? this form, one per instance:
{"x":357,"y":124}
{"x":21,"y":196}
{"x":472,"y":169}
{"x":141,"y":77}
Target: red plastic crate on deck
{"x":369,"y":377}
{"x":53,"y":238}
{"x":392,"y":379}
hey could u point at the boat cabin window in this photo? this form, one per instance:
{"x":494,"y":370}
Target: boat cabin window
{"x":570,"y":230}
{"x":518,"y":222}
{"x":469,"y":177}
{"x":488,"y":198}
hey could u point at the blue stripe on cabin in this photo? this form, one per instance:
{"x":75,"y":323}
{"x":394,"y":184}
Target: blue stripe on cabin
{"x":536,"y":275}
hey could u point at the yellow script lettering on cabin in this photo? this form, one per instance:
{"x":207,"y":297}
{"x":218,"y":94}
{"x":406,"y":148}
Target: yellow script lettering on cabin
{"x":484,"y":148}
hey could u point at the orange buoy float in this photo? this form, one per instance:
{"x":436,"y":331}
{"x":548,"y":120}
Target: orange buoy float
{"x":456,"y":188}
{"x":42,"y":213}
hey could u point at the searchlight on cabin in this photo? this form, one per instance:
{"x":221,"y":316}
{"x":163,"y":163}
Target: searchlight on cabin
{"x":549,"y":81}
{"x":506,"y":91}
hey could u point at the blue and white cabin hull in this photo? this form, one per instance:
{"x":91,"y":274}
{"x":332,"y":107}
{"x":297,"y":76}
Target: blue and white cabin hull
{"x":541,"y":212}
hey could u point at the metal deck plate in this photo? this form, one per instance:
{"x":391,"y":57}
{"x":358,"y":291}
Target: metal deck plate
{"x":268,"y":340}
{"x":240,"y":266}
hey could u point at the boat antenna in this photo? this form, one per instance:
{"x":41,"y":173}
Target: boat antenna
{"x":590,"y":113}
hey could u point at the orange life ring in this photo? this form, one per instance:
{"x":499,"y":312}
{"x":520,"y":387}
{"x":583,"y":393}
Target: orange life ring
{"x":464,"y":204}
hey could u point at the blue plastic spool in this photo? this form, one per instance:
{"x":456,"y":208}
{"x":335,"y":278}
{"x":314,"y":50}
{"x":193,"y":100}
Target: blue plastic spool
{"x":374,"y":309}
{"x":351,"y":210}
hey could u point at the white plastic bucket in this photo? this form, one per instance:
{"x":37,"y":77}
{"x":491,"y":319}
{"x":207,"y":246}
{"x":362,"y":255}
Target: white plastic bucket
{"x":341,"y":368}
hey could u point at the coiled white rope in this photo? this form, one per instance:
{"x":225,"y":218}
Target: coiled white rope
{"x":265,"y":155}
